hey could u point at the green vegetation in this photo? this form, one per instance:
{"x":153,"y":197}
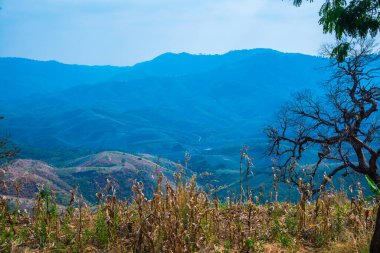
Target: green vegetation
{"x":355,"y":18}
{"x":352,"y":19}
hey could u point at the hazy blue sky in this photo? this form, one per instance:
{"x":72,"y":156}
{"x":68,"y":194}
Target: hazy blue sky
{"x":123,"y":32}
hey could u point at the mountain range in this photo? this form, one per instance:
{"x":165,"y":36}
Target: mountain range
{"x":206,"y":105}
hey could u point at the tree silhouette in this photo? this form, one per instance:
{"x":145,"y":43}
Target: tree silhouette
{"x":341,"y":127}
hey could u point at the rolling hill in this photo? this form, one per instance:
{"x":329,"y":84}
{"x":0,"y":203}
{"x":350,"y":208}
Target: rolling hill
{"x":89,"y":174}
{"x":26,"y":177}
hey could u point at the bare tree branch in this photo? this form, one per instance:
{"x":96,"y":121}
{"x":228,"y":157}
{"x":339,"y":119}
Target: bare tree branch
{"x":341,"y":127}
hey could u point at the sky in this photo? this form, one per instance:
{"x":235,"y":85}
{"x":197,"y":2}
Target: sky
{"x":125,"y":32}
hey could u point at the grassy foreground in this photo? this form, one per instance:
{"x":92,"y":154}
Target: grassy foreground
{"x":186,"y":219}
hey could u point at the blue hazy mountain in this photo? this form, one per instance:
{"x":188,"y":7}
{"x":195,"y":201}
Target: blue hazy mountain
{"x":21,"y":78}
{"x":209,"y":105}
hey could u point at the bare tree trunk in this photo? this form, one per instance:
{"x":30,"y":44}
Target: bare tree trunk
{"x":375,"y":243}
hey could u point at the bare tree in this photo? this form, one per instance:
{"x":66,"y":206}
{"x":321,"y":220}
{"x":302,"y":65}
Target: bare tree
{"x":339,"y":130}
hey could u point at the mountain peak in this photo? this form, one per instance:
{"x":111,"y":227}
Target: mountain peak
{"x":247,"y":52}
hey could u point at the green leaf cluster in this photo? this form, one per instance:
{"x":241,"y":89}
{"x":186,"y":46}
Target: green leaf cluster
{"x":373,"y":187}
{"x":355,"y":18}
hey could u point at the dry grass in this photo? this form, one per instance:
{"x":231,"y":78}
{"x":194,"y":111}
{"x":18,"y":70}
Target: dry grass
{"x":186,"y":219}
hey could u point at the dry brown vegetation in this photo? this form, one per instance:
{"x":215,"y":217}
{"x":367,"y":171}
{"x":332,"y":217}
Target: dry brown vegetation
{"x":187,"y":219}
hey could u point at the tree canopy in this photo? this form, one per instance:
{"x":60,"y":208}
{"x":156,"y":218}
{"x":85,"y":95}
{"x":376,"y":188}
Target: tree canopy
{"x":355,"y":18}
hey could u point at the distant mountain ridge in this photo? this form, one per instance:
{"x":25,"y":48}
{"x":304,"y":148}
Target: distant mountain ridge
{"x":21,"y":78}
{"x":209,"y":105}
{"x":172,"y":64}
